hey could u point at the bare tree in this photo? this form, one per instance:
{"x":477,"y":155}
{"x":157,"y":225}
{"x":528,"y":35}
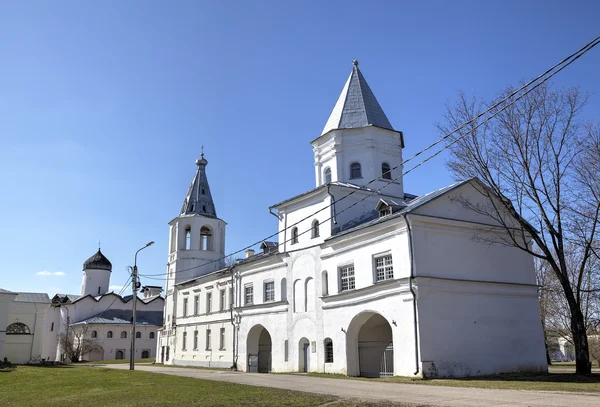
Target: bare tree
{"x":76,"y":343}
{"x":537,"y":165}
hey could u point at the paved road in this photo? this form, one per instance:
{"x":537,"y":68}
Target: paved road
{"x":400,"y":392}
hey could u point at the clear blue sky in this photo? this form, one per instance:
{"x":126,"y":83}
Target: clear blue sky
{"x":104,"y":107}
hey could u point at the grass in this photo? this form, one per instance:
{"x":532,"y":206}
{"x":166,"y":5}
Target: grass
{"x":562,"y":382}
{"x":66,"y":386}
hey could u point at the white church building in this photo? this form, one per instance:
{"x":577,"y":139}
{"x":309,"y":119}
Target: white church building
{"x":365,"y":279}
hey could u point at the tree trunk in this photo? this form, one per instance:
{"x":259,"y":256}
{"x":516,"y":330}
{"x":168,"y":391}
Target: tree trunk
{"x":582,"y":351}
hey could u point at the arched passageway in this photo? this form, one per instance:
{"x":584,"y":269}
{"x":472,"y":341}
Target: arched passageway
{"x":259,"y":348}
{"x":119,"y":354}
{"x":304,"y":355}
{"x":370,"y":346}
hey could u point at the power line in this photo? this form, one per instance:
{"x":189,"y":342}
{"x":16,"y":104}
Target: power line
{"x":546,"y":75}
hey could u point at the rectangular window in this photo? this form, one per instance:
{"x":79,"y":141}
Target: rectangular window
{"x":231,"y":299}
{"x":195,"y":340}
{"x":347,"y":278}
{"x":185,"y":306}
{"x":196,"y":304}
{"x":208,"y":339}
{"x":269,"y":291}
{"x":208,"y":303}
{"x":222,"y":303}
{"x":183,"y":343}
{"x":222,"y":339}
{"x":52,"y":327}
{"x":249,"y":294}
{"x":384,"y":270}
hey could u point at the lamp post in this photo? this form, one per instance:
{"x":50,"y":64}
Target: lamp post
{"x":134,"y":289}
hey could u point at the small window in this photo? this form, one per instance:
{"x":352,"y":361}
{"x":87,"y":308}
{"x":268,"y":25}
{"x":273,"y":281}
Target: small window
{"x":386,"y":172}
{"x":202,"y":191}
{"x":195,"y":340}
{"x":249,"y":294}
{"x":347,"y":278}
{"x":315,"y":228}
{"x":205,"y":238}
{"x":138,"y":335}
{"x":184,"y":342}
{"x":269,"y":291}
{"x":94,"y":334}
{"x":327,"y":175}
{"x":355,"y":171}
{"x":208,"y":345}
{"x":384,"y":269}
{"x":208,"y":303}
{"x":52,"y":327}
{"x":328,"y":350}
{"x":123,"y":334}
{"x":145,"y":354}
{"x":222,"y":339}
{"x":204,"y":208}
{"x":294,"y":235}
{"x":109,"y":335}
{"x":98,"y":290}
{"x":384,"y":211}
{"x":185,"y":307}
{"x":196,"y":304}
{"x":222,"y":301}
{"x":151,"y":335}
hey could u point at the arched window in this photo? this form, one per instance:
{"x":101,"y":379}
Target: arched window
{"x":202,"y":191}
{"x":324,"y":283}
{"x":328,"y":345}
{"x":327,"y":176}
{"x":355,"y":171}
{"x":138,"y":335}
{"x":315,"y":228}
{"x":283,"y":289}
{"x":205,"y":238}
{"x":309,"y":295}
{"x":151,"y":335}
{"x":17,"y":328}
{"x":204,"y":208}
{"x":145,"y":354}
{"x":188,"y":237}
{"x":294,"y":235}
{"x":109,"y":335}
{"x":119,"y":354}
{"x":386,"y":172}
{"x":94,"y":334}
{"x":123,"y":334}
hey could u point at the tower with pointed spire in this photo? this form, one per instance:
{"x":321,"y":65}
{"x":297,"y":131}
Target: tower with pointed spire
{"x":197,"y":240}
{"x":358,"y":143}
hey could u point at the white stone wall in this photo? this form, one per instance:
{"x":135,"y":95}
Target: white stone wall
{"x":110,"y":346}
{"x":25,"y":348}
{"x":95,"y":282}
{"x":6,"y":300}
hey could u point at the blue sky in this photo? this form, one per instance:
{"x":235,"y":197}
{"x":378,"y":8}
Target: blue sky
{"x":104,"y":107}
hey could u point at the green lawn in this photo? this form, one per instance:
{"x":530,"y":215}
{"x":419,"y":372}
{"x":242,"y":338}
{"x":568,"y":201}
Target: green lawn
{"x":563,"y":382}
{"x":118,"y":361}
{"x":65,"y":386}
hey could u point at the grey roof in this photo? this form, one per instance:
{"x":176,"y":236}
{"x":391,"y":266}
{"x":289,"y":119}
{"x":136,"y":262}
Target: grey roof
{"x":357,"y":106}
{"x":64,"y":298}
{"x":97,"y":261}
{"x":123,"y":316}
{"x":409,"y":205}
{"x":3,"y":291}
{"x":198,"y":200}
{"x":33,"y":297}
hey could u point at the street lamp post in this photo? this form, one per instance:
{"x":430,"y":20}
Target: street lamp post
{"x":134,"y":289}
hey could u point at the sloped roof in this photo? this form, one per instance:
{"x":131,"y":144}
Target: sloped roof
{"x":33,"y":297}
{"x":64,"y":298}
{"x":3,"y":291}
{"x":198,"y":200}
{"x":121,"y":316}
{"x":357,"y":106}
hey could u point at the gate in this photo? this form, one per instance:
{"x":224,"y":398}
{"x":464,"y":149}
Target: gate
{"x":264,"y":358}
{"x":376,"y":359}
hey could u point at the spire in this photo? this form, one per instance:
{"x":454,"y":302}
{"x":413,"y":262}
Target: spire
{"x":357,"y":106}
{"x":198,"y":200}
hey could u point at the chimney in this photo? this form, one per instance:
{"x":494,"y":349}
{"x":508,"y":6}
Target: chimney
{"x":249,"y":253}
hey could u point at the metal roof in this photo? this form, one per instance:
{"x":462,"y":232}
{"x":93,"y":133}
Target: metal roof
{"x":357,"y":106}
{"x":122,"y":316}
{"x":2,"y":290}
{"x":198,"y":200}
{"x":33,"y":297}
{"x":98,"y":261}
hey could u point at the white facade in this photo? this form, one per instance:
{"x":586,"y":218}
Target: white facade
{"x":407,"y":289}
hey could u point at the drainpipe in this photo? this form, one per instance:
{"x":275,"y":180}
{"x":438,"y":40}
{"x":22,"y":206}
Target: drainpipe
{"x":412,"y":291}
{"x":231,"y":301}
{"x":333,"y":219}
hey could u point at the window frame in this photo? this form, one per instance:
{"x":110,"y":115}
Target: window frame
{"x":138,"y":335}
{"x":270,"y":283}
{"x":294,"y":239}
{"x":208,"y":302}
{"x":386,"y":173}
{"x":383,"y":268}
{"x":315,"y":229}
{"x":350,"y":278}
{"x":328,"y":350}
{"x":222,"y":300}
{"x":249,"y":290}
{"x":195,"y":340}
{"x":197,"y":304}
{"x":222,"y":339}
{"x":109,"y":335}
{"x":208,"y":341}
{"x":327,"y":175}
{"x":184,"y":341}
{"x":355,"y":165}
{"x":185,"y":306}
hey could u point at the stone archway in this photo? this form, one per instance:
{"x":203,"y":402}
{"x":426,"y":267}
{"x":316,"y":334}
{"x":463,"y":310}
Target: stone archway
{"x":369,"y":346}
{"x":259,"y":349}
